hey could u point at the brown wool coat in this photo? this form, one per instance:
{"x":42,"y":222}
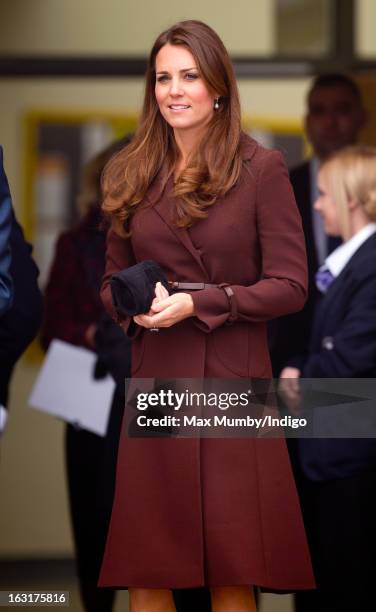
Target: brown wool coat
{"x":190,"y":512}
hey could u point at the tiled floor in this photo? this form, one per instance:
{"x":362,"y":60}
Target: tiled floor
{"x":60,"y":576}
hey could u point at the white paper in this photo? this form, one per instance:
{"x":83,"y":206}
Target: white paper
{"x":65,"y":388}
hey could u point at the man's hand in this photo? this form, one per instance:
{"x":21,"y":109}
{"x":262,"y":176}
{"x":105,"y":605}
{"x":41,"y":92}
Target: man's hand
{"x":289,"y":389}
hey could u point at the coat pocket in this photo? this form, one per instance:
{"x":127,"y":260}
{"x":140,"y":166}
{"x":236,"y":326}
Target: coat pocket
{"x":231,"y":346}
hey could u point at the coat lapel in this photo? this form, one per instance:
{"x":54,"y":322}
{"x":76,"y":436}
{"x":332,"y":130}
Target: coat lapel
{"x":160,"y":196}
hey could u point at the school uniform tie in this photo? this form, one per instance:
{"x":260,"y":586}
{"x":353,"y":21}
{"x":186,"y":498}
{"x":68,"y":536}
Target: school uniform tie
{"x":324,"y":279}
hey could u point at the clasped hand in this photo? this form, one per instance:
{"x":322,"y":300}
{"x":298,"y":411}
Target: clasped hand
{"x":166,"y":310}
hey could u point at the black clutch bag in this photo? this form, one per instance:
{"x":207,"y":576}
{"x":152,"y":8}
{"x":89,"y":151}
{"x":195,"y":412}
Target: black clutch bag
{"x":133,"y":289}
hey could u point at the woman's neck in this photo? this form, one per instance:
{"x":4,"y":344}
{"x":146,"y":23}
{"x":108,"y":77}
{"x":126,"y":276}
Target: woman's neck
{"x":186,"y":141}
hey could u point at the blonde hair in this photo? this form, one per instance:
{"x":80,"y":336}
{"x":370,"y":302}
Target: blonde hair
{"x":350,"y":175}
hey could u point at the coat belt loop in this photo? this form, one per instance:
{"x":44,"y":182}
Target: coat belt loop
{"x":232,"y":303}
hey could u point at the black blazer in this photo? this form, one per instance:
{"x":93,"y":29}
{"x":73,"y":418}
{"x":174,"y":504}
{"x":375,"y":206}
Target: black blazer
{"x":343,"y":345}
{"x":6,"y":288}
{"x":20,"y":324}
{"x":301,"y":182}
{"x":289,"y":335}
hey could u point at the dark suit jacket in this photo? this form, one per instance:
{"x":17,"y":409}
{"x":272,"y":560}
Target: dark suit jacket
{"x":301,"y":182}
{"x":20,"y":324}
{"x":6,"y":288}
{"x":289,"y":336}
{"x":346,"y":315}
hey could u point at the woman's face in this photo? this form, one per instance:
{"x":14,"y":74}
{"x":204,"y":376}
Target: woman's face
{"x":181,"y":93}
{"x":327,"y":208}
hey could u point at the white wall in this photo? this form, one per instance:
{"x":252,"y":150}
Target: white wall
{"x":34,"y":508}
{"x":365,"y":28}
{"x":127,"y":26}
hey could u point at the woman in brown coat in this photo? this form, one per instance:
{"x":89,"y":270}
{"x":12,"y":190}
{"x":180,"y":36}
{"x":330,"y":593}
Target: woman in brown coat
{"x":215,"y":209}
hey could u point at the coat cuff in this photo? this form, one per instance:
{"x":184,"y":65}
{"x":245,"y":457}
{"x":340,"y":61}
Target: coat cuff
{"x":212,"y":308}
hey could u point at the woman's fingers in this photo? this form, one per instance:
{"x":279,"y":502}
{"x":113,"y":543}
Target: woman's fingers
{"x":164,"y":293}
{"x":167,"y":311}
{"x":154,"y":320}
{"x":144,"y":320}
{"x":161,"y":292}
{"x":157,"y":291}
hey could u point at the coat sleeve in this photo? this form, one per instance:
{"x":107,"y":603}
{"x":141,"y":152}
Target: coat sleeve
{"x":119,"y":255}
{"x":352,"y":350}
{"x":282,"y":288}
{"x":65,"y":316}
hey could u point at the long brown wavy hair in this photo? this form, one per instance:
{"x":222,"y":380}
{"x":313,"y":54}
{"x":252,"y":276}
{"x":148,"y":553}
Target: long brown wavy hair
{"x":213,"y":168}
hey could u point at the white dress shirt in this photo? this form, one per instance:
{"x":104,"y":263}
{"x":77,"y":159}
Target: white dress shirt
{"x":337,"y":260}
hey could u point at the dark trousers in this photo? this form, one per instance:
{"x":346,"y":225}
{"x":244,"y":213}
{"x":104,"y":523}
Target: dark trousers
{"x":339,"y":516}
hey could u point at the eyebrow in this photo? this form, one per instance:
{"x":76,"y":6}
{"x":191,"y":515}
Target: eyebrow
{"x":183,"y":70}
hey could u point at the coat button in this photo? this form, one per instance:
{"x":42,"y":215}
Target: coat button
{"x":327,"y":343}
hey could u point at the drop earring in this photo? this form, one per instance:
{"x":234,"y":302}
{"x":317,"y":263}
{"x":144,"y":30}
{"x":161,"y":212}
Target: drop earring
{"x":216,"y":104}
